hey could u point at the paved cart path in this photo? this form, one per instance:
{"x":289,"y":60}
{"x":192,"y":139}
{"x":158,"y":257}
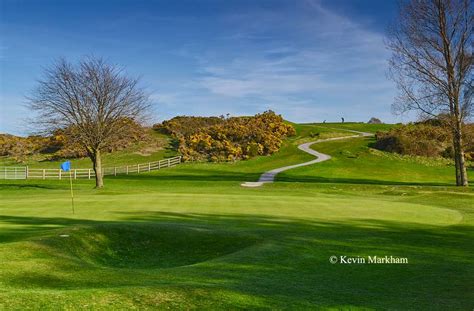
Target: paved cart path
{"x":269,"y":176}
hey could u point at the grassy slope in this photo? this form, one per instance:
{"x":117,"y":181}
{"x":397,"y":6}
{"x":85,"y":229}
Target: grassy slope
{"x":363,"y":127}
{"x":217,"y":245}
{"x":139,"y":153}
{"x":354,"y":162}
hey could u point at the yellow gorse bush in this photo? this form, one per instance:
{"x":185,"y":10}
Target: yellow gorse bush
{"x":227,"y":139}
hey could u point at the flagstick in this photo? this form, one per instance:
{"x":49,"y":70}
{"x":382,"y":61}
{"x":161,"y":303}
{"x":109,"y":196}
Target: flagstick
{"x":72,"y":193}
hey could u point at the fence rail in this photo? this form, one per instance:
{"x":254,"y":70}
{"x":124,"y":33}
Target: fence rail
{"x":13,"y":172}
{"x":23,"y":172}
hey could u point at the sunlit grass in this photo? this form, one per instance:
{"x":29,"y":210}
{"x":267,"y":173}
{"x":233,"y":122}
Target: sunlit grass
{"x":190,"y":237}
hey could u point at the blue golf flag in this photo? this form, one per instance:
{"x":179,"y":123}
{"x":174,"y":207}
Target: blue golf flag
{"x":66,"y":166}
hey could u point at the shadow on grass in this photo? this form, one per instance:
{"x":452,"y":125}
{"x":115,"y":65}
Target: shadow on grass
{"x":200,"y":174}
{"x":206,"y":175}
{"x":362,"y":181}
{"x":289,"y":267}
{"x":18,"y":186}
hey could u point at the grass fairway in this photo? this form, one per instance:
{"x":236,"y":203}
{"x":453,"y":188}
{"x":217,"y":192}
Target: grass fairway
{"x":191,"y":237}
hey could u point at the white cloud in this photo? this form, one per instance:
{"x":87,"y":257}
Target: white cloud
{"x":309,"y":64}
{"x":331,"y":58}
{"x":261,"y":84}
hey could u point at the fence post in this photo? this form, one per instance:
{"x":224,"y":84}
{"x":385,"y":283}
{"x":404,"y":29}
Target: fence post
{"x":59,"y":174}
{"x":169,"y":161}
{"x":127,"y":170}
{"x":44,"y":173}
{"x":89,"y":173}
{"x":15,"y":173}
{"x":149,"y":166}
{"x":75,"y":174}
{"x":138,"y":168}
{"x":115,"y":171}
{"x":26,"y":172}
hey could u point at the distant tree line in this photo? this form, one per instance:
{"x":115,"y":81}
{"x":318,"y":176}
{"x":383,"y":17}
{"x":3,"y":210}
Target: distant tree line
{"x":227,"y":139}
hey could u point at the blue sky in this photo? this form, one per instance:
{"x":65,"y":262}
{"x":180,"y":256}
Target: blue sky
{"x":308,"y":60}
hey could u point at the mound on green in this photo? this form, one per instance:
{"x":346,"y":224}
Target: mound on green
{"x":138,"y":246}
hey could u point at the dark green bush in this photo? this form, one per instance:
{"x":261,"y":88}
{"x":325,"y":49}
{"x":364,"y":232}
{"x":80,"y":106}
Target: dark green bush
{"x":429,"y":138}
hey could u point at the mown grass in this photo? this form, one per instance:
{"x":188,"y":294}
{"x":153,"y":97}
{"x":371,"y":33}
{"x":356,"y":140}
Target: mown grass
{"x":191,"y":237}
{"x":353,"y":161}
{"x":357,"y":126}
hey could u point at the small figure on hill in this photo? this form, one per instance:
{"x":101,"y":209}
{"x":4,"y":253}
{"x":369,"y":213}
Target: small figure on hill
{"x":324,"y":121}
{"x":374,"y":120}
{"x":342,"y":119}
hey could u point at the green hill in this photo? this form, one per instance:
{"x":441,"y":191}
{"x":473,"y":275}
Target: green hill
{"x":158,"y":147}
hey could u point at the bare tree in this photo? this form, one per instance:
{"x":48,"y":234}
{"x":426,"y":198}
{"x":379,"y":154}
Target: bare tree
{"x":432,"y":58}
{"x":91,"y":99}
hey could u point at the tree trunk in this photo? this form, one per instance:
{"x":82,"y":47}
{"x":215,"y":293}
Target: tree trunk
{"x":461,"y":172}
{"x":456,"y":162}
{"x":97,"y":161}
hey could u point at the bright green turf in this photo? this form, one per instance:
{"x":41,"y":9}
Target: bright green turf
{"x":363,"y":127}
{"x":190,"y":237}
{"x":354,"y":162}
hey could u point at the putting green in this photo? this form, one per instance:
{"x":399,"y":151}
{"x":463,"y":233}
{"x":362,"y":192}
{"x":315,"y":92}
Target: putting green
{"x":323,"y":207}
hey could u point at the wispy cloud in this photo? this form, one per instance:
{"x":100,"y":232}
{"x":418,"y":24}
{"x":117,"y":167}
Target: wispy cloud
{"x":299,"y":58}
{"x":326,"y":63}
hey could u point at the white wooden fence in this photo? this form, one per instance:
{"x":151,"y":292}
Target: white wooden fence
{"x":13,"y":172}
{"x":23,"y":172}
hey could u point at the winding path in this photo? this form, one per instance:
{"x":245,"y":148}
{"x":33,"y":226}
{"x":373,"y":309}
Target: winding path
{"x":269,"y":176}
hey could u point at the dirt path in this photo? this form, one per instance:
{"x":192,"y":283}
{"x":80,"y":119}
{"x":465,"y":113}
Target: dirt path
{"x":269,"y":176}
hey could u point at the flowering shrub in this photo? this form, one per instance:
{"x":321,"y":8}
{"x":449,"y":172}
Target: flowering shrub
{"x":19,"y":148}
{"x":227,"y":139}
